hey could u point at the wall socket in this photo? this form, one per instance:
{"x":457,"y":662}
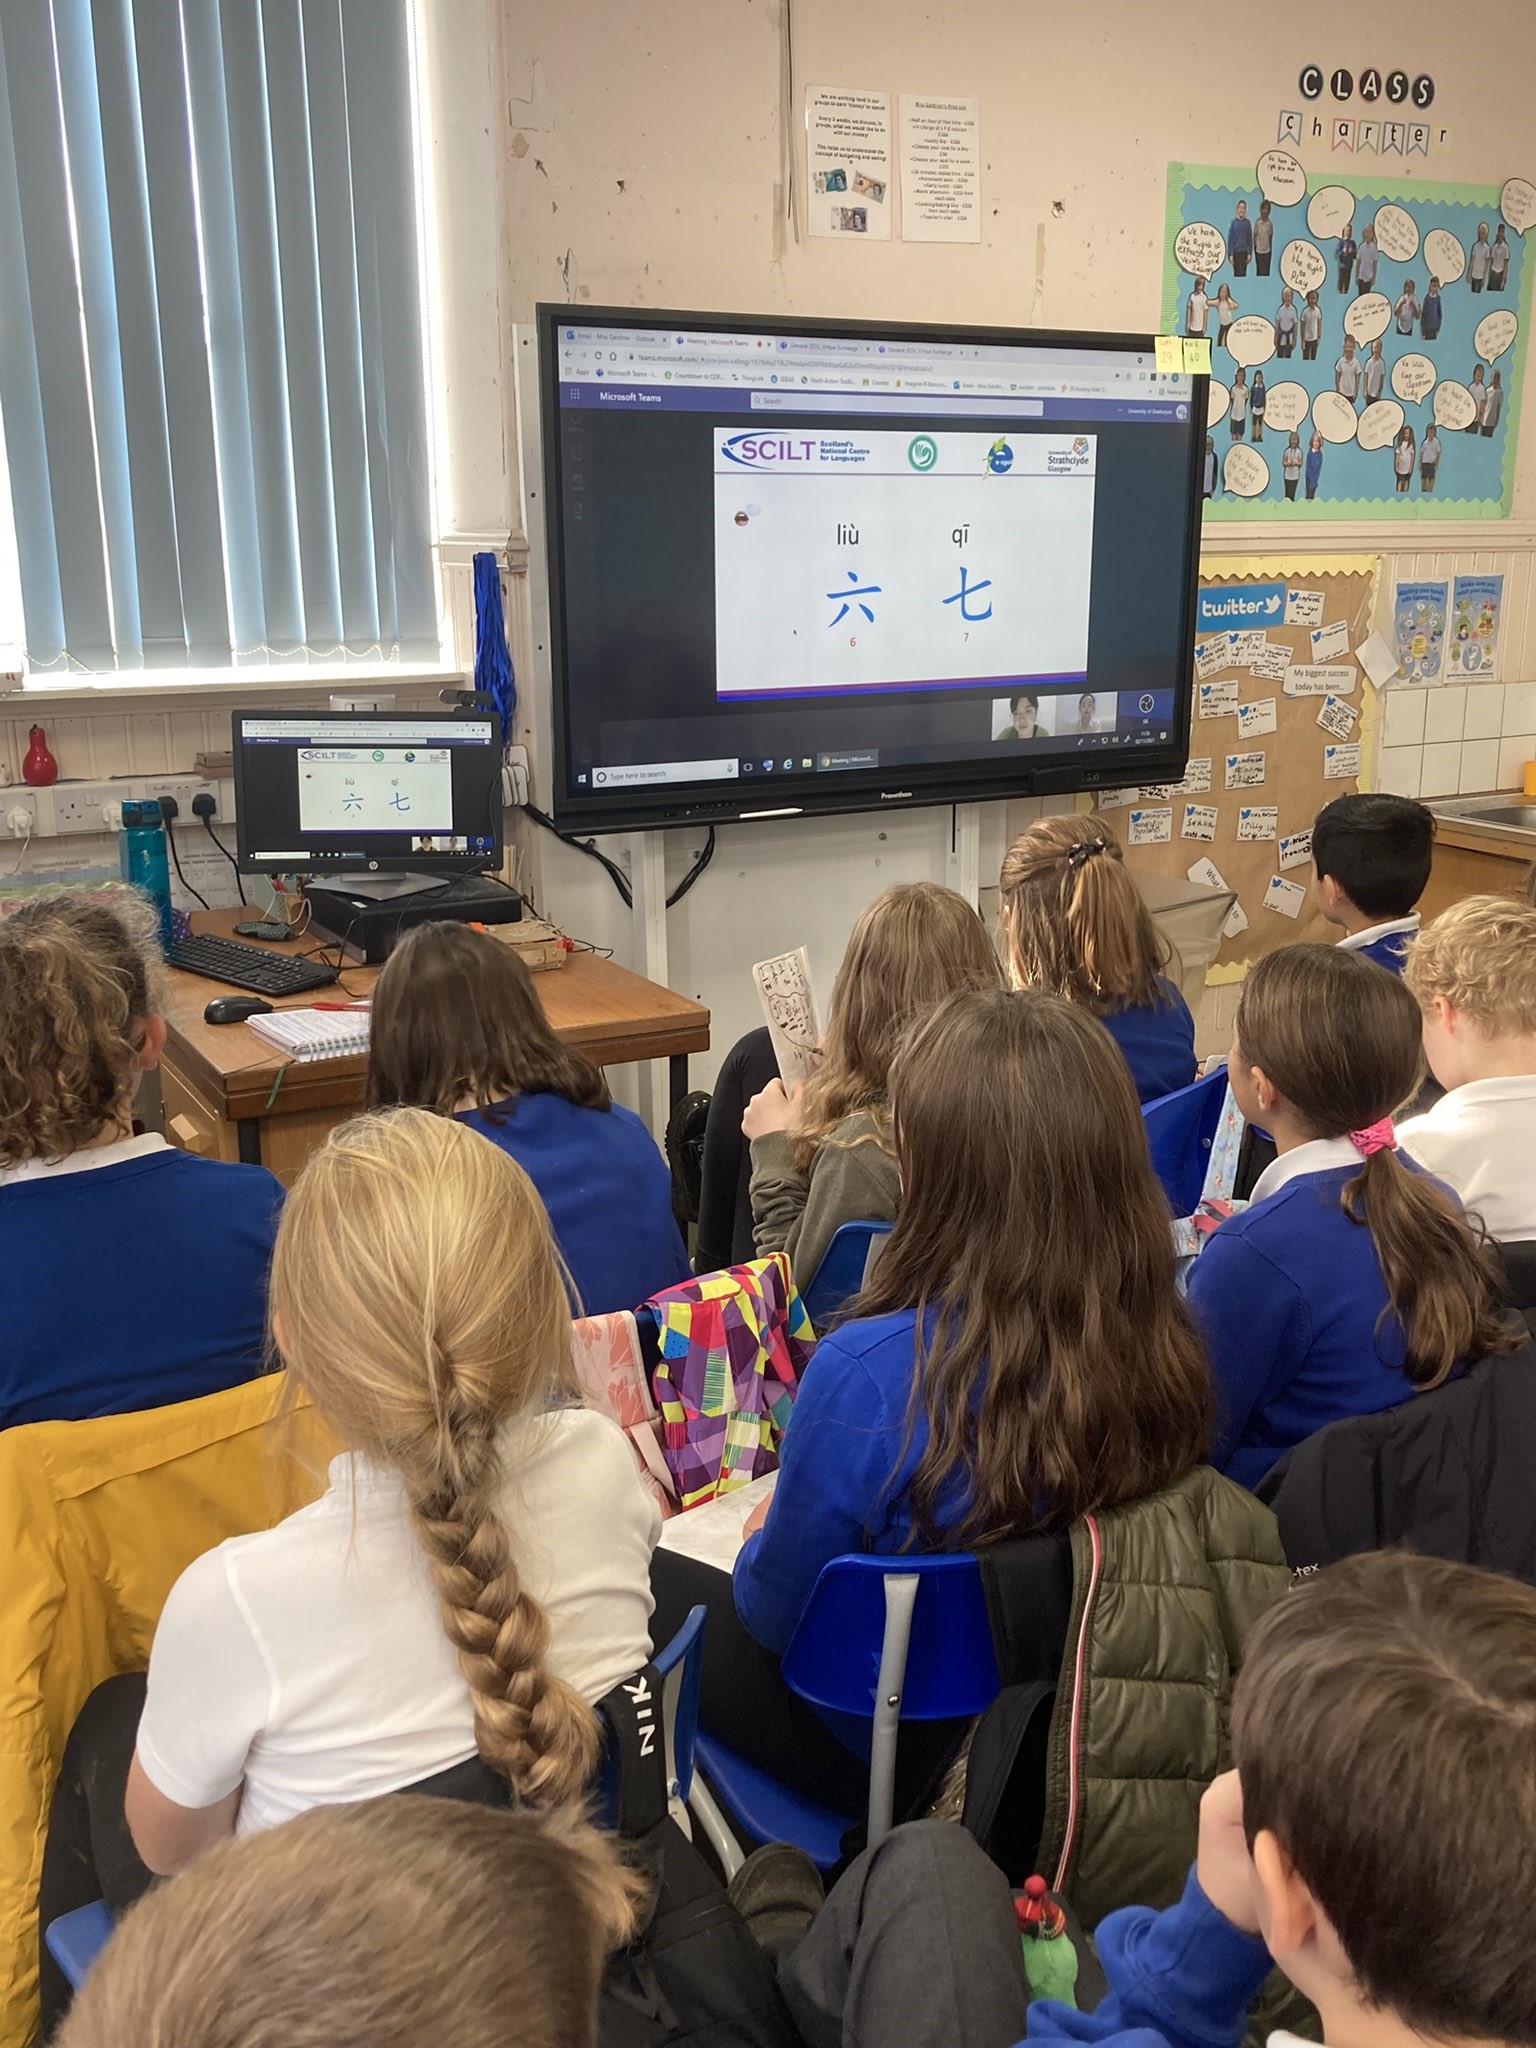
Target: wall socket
{"x":183,"y":788}
{"x":82,"y":806}
{"x":15,"y":805}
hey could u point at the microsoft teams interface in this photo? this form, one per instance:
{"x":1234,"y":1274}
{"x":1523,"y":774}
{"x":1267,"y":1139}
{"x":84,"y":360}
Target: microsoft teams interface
{"x":804,"y":554}
{"x":327,"y":790}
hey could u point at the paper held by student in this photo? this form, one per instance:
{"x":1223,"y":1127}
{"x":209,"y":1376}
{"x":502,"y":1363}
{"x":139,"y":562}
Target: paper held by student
{"x":713,"y":1532}
{"x":789,"y":1010}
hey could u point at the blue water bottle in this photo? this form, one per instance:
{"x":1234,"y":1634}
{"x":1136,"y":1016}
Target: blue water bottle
{"x":142,"y":858}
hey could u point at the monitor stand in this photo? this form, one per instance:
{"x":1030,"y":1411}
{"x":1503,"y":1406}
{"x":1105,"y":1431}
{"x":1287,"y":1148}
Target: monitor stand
{"x":366,"y":914}
{"x":388,"y":888}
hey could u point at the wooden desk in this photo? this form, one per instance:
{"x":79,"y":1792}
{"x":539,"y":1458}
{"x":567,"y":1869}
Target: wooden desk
{"x":228,"y":1095}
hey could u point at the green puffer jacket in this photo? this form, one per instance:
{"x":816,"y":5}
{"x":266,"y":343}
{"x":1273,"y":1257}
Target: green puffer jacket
{"x":1164,"y":1593}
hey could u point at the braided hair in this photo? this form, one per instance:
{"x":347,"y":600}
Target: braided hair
{"x":430,"y":1249}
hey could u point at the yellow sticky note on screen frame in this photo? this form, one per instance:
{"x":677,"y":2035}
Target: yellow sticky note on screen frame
{"x":1170,"y":355}
{"x":1197,"y":355}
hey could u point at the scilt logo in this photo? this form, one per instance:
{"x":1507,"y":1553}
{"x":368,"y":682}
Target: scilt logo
{"x":922,"y":451}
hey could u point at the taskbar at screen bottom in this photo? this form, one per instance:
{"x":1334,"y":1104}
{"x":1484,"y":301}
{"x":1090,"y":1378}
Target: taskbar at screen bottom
{"x":1058,"y":750}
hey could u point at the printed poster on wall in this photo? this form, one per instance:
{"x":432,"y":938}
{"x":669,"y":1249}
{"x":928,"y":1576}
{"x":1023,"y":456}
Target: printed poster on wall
{"x":1476,"y":605}
{"x":1368,"y":337}
{"x":940,"y":169}
{"x":1418,"y":631}
{"x":848,"y":162}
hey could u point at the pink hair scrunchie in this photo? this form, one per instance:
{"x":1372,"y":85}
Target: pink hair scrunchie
{"x":1379,"y":1137}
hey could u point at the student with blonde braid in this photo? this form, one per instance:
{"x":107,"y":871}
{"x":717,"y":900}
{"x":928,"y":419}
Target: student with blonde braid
{"x":1074,"y":924}
{"x":473,"y":1578}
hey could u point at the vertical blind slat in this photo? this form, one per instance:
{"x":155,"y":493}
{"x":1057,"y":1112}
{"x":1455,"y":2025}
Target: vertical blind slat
{"x":183,"y":345}
{"x":226,"y":327}
{"x":75,"y":46}
{"x":63,"y":385}
{"x":245,"y":102}
{"x":376,"y":48}
{"x":26,"y":444}
{"x":339,"y":316}
{"x":289,"y":121}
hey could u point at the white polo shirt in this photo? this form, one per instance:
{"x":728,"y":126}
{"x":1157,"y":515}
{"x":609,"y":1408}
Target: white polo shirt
{"x":310,"y":1661}
{"x":1481,"y":1140}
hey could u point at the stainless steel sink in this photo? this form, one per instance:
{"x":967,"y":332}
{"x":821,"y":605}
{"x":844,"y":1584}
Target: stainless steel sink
{"x":1509,"y":814}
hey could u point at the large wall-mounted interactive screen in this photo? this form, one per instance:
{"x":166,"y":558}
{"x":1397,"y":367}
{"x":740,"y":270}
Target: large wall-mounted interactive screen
{"x":818,"y":566}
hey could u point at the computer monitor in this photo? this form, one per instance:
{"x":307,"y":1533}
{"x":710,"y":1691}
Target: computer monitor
{"x":367,"y":792}
{"x":830,"y":565}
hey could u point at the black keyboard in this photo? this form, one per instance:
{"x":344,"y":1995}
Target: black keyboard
{"x":265,"y":974}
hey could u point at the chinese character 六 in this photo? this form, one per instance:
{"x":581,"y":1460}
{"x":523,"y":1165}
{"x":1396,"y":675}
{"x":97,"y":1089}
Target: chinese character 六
{"x":967,"y":591}
{"x":859,"y":591}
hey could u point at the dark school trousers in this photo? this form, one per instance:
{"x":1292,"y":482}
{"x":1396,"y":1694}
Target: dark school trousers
{"x":917,"y":1945}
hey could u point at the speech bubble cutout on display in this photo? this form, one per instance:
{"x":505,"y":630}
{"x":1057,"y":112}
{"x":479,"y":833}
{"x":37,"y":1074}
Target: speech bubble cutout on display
{"x":1329,"y":209}
{"x":1413,"y":378}
{"x":1200,"y":249}
{"x":1495,"y":333}
{"x":1286,"y":406}
{"x":1444,"y":255}
{"x":1334,"y":416}
{"x":1517,"y":203}
{"x":1251,"y":340}
{"x":1303,"y":266}
{"x":1218,"y":403}
{"x":1397,"y":233}
{"x":1379,"y":423}
{"x":1245,"y":472}
{"x":1280,"y":177}
{"x":1455,"y":407}
{"x":1368,"y":316}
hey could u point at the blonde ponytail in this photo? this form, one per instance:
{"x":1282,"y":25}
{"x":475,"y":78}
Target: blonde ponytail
{"x":428,"y":1247}
{"x":1074,"y":923}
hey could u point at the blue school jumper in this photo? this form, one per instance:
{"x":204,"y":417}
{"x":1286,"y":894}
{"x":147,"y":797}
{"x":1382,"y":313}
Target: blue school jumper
{"x":1290,"y":1298}
{"x":132,"y":1281}
{"x":845,"y":1467}
{"x":606,"y":1189}
{"x":1158,"y":1041}
{"x":1386,"y":944}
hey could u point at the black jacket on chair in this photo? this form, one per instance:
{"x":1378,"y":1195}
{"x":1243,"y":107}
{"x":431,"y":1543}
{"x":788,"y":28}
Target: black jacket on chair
{"x":1449,"y":1474}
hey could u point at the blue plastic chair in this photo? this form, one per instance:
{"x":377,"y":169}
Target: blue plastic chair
{"x":882,"y":1640}
{"x":841,"y":1273}
{"x":1181,"y":1128}
{"x":76,"y":1939}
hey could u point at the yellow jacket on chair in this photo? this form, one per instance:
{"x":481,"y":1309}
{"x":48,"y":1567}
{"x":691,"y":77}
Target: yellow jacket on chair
{"x":97,"y":1521}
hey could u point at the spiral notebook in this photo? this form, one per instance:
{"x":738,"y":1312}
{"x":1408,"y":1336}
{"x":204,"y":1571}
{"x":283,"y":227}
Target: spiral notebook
{"x":314,"y":1034}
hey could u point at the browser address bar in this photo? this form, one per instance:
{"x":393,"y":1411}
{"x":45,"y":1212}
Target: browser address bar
{"x":944,"y":404}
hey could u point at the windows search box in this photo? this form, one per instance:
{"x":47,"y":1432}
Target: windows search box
{"x":948,"y":404}
{"x":640,"y":773}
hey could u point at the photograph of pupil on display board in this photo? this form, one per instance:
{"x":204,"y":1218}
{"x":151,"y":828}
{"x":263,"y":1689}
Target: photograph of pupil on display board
{"x":1367,"y":338}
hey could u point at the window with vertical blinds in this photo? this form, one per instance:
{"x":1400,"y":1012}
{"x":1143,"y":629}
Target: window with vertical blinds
{"x":211,"y":360}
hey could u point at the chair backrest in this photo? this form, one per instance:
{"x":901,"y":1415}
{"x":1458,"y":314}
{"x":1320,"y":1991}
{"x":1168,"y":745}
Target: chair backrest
{"x":833,"y":1659}
{"x":1180,"y":1131}
{"x":841,"y":1273}
{"x":679,"y":1667}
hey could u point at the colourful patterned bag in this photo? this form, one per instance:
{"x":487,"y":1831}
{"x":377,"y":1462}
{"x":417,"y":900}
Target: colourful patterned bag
{"x":733,"y":1346}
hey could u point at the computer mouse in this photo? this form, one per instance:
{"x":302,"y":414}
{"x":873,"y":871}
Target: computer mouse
{"x":235,"y":1009}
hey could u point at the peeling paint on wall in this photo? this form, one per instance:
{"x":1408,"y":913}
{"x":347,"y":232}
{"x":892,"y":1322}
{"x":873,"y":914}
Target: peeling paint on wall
{"x":538,"y":110}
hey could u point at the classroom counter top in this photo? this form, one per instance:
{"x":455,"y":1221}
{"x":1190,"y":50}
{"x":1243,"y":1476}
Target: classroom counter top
{"x":226,"y":1082}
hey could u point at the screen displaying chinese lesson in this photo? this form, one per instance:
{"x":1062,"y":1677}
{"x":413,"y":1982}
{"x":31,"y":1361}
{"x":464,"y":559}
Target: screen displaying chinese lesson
{"x":793,"y":558}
